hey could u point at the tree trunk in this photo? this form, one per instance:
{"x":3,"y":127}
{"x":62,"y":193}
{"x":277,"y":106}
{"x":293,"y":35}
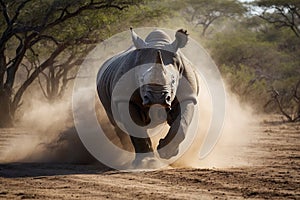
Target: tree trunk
{"x":6,"y":119}
{"x":204,"y":31}
{"x":2,"y":67}
{"x":5,"y":113}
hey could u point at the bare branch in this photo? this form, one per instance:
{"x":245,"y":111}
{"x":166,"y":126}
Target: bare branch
{"x":42,"y":88}
{"x":35,"y":74}
{"x":44,"y":37}
{"x":4,"y":12}
{"x":276,"y":98}
{"x":284,"y":16}
{"x":67,"y":15}
{"x":28,"y":70}
{"x":295,"y":95}
{"x":45,"y":75}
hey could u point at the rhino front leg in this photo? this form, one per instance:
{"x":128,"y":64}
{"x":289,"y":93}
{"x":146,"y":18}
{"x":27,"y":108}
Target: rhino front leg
{"x":169,"y":146}
{"x":144,"y":155}
{"x":138,"y":134}
{"x":141,"y":145}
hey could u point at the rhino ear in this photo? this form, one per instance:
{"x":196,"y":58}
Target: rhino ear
{"x":181,"y":39}
{"x":138,"y":42}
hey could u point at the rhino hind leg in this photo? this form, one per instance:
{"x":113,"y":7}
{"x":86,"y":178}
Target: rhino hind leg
{"x":124,"y":138}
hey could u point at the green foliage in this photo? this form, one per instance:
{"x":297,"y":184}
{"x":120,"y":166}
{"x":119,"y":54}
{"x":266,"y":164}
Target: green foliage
{"x":244,"y":82}
{"x":255,"y":60}
{"x":256,"y":54}
{"x":206,"y":12}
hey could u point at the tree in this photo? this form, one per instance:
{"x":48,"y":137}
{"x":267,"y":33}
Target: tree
{"x":288,"y":103}
{"x":281,"y":13}
{"x":206,"y":12}
{"x":54,"y":80}
{"x":26,"y":25}
{"x":253,"y":58}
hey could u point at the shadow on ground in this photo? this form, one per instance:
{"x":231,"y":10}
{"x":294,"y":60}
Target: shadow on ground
{"x":17,"y":170}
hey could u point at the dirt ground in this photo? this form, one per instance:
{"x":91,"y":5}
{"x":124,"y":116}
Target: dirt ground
{"x":275,"y":175}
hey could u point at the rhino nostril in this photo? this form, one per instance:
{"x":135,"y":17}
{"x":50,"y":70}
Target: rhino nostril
{"x":168,"y":98}
{"x":146,"y":100}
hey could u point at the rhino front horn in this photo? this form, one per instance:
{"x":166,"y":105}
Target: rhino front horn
{"x":159,"y":61}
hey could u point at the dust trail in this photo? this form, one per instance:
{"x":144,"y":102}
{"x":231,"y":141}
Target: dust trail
{"x":48,"y":135}
{"x":232,"y":148}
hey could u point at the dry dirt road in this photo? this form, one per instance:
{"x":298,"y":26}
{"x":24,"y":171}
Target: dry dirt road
{"x":275,"y":176}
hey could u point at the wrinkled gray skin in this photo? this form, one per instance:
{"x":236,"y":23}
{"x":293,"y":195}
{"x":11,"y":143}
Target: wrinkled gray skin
{"x":160,"y":81}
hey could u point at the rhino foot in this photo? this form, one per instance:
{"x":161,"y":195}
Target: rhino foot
{"x":146,"y":162}
{"x":166,"y":151}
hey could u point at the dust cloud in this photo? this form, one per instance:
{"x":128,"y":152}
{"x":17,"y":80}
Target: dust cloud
{"x":48,"y":135}
{"x":51,"y":136}
{"x":232,"y":147}
{"x":236,"y":138}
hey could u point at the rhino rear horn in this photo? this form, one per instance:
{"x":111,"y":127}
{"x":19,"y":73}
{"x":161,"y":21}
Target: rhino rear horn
{"x":138,"y":42}
{"x":159,"y":58}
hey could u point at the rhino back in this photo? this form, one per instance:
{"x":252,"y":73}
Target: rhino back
{"x":110,"y":73}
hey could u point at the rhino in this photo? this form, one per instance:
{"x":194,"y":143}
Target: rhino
{"x":161,"y":78}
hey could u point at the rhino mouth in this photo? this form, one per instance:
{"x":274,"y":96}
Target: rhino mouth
{"x":156,"y":94}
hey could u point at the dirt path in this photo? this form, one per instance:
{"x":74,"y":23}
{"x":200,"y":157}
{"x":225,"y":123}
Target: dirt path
{"x":276,"y":175}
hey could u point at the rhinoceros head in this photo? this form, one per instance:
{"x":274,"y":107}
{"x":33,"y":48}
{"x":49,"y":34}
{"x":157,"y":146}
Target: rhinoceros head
{"x":158,"y":82}
{"x":160,"y":68}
